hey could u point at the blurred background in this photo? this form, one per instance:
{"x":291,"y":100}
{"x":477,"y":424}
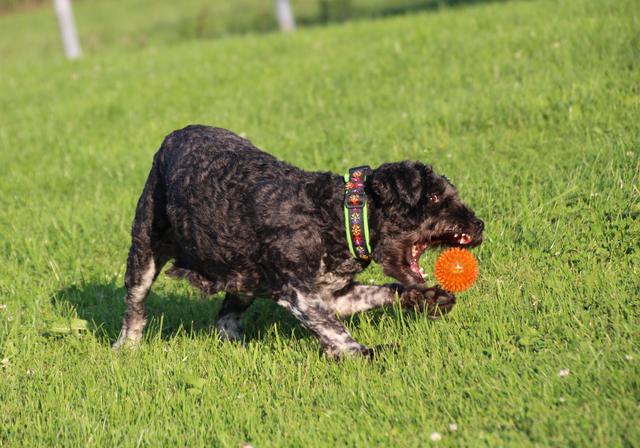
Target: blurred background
{"x":130,"y":24}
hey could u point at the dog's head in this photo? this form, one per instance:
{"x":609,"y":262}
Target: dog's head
{"x":415,"y":209}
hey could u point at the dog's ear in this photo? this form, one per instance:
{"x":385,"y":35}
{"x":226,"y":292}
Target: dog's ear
{"x":399,"y":183}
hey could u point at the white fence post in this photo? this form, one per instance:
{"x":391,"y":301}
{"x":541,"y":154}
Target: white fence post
{"x":285,"y":15}
{"x":67,"y":28}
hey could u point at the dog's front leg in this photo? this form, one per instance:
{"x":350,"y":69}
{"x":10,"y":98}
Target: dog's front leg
{"x":317,"y":317}
{"x":357,"y":297}
{"x":433,"y":301}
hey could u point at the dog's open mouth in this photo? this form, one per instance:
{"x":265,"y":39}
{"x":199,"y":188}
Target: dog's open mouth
{"x":416,"y":250}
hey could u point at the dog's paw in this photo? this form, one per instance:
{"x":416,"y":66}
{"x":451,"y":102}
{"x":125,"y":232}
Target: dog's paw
{"x":435,"y":301}
{"x":124,"y":343}
{"x":230,"y":328}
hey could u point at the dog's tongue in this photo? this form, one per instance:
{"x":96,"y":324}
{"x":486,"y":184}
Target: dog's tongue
{"x":463,"y":238}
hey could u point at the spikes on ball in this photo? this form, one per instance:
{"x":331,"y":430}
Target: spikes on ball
{"x":456,"y":269}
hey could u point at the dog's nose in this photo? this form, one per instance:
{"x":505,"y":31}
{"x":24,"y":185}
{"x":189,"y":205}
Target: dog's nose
{"x":479,"y":224}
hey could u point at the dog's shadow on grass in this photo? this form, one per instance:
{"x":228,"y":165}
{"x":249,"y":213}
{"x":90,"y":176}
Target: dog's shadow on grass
{"x":170,"y":314}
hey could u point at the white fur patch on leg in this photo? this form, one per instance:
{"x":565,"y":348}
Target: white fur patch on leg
{"x":139,"y":292}
{"x":362,"y":298}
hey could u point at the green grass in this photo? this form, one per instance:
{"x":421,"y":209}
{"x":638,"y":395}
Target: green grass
{"x":531,"y":108}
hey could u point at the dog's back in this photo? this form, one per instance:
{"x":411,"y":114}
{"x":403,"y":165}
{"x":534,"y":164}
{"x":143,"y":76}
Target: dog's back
{"x":221,"y":198}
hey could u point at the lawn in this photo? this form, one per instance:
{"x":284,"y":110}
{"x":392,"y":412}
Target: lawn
{"x":531,"y":108}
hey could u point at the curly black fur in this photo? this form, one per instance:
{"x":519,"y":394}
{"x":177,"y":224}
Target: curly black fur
{"x":234,"y":218}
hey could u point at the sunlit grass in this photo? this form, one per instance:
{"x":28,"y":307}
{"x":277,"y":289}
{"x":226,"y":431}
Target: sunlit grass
{"x":530,"y":108}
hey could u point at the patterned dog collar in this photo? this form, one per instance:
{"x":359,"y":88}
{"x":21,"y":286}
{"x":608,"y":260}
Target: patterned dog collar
{"x":355,"y":213}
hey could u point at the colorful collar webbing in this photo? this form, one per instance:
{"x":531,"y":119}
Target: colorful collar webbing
{"x":355,"y":213}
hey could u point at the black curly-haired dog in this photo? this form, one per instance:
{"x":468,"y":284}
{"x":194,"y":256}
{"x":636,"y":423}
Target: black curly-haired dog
{"x":235,"y":219}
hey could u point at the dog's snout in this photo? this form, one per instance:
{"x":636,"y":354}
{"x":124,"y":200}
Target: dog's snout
{"x":479,"y":224}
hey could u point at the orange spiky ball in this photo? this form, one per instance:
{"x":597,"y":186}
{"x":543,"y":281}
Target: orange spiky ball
{"x":456,"y":269}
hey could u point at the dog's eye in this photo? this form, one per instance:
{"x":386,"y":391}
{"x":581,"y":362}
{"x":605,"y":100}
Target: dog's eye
{"x":434,"y":198}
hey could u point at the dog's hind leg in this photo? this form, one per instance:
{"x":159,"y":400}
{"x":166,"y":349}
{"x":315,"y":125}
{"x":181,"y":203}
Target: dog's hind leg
{"x":139,"y":279}
{"x":229,"y":320}
{"x":150,"y":250}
